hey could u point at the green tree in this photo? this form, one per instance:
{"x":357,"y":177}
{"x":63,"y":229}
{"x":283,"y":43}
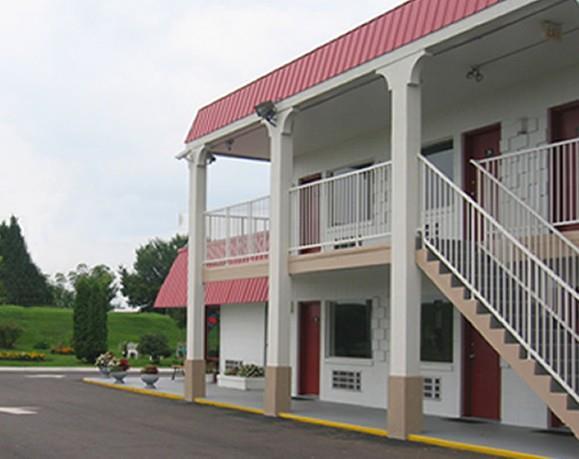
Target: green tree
{"x":94,"y":291}
{"x":155,"y":345}
{"x":62,"y":295}
{"x":22,"y":282}
{"x":150,"y":268}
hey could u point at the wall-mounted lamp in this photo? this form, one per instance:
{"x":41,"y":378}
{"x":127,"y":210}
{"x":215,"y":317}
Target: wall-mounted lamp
{"x":267,"y":111}
{"x":210,"y":158}
{"x":475,"y":74}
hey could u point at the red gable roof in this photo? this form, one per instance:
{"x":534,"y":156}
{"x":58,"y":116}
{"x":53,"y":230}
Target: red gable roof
{"x":173,"y":292}
{"x":393,"y":29}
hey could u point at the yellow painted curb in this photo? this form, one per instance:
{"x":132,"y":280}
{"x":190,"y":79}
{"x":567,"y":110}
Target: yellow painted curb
{"x":229,"y":406}
{"x":135,"y":390}
{"x":335,"y":424}
{"x":487,"y":450}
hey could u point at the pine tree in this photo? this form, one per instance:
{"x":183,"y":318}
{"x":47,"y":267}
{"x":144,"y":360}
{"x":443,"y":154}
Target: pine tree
{"x":22,"y":282}
{"x":94,"y":292}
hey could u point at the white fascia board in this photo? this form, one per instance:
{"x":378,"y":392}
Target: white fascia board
{"x":492,"y":13}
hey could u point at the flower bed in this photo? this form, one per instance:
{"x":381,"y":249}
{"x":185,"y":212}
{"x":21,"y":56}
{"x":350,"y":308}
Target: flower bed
{"x":244,"y":377}
{"x":23,"y":356}
{"x":62,"y":349}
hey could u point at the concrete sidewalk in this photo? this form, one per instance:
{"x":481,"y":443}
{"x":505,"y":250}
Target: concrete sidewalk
{"x":483,"y":436}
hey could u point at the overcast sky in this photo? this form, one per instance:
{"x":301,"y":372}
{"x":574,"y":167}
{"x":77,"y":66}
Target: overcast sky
{"x":96,"y":98}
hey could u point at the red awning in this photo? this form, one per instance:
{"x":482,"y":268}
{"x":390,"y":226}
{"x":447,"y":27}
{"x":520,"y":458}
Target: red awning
{"x":173,"y":293}
{"x":252,"y":290}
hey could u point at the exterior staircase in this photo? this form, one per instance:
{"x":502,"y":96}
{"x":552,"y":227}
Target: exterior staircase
{"x":503,"y":278}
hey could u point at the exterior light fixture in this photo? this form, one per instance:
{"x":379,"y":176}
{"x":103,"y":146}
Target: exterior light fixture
{"x":266,"y":111}
{"x":475,"y":74}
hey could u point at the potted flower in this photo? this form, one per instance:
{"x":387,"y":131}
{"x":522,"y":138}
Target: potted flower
{"x":103,"y":363}
{"x":118,"y":368}
{"x":150,"y":375}
{"x":244,"y":377}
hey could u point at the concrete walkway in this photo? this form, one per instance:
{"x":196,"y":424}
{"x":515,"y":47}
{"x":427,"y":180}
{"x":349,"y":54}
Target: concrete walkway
{"x":486,"y":434}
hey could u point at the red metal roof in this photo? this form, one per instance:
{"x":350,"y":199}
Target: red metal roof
{"x":383,"y":34}
{"x":173,"y":292}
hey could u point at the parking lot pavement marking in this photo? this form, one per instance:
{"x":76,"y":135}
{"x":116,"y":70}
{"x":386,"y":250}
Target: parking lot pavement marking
{"x":16,"y":410}
{"x":45,"y":376}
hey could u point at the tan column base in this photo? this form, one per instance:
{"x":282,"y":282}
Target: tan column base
{"x":277,"y":396}
{"x":194,"y":379}
{"x":405,"y":394}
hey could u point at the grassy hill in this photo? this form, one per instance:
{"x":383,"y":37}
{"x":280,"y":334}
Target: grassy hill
{"x":54,"y":326}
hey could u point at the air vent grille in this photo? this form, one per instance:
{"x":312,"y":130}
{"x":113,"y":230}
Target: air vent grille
{"x":347,"y":380}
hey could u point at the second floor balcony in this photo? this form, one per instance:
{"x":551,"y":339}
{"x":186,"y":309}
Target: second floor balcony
{"x":347,"y":210}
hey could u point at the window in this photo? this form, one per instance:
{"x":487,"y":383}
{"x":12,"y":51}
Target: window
{"x":441,"y":155}
{"x":350,"y":329}
{"x":350,"y":198}
{"x":436,"y":332}
{"x":212,"y":314}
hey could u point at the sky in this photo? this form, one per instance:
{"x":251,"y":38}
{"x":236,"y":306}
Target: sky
{"x":97,"y":96}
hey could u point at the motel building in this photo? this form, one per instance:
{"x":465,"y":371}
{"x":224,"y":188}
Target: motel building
{"x":418,"y":251}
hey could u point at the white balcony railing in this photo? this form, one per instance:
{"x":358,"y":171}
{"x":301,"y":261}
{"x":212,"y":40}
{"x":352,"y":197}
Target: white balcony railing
{"x":238,"y":233}
{"x":544,"y":178}
{"x":348,"y":210}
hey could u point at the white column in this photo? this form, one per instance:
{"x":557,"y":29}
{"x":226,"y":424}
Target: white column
{"x":405,"y":389}
{"x":195,"y":362}
{"x":277,"y":395}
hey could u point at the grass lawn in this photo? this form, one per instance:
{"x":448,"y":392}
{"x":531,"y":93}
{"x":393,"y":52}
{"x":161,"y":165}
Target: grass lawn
{"x":54,"y":326}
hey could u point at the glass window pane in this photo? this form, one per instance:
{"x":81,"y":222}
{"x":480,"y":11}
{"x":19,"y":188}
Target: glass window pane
{"x":441,"y":156}
{"x":436,"y":332}
{"x":350,"y":330}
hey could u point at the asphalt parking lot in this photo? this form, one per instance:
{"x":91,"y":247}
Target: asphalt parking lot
{"x":59,"y":416}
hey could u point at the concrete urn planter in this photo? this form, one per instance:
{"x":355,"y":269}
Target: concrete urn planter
{"x":119,"y":376}
{"x":240,"y":382}
{"x":149,"y":380}
{"x":105,"y":372}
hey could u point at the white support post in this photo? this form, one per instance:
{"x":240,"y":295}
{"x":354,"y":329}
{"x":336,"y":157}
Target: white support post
{"x":195,"y":362}
{"x":405,"y":386}
{"x":277,"y":395}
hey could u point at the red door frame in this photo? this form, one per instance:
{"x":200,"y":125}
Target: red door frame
{"x":309,"y":347}
{"x":555,"y":135}
{"x":309,"y":207}
{"x":479,"y":400}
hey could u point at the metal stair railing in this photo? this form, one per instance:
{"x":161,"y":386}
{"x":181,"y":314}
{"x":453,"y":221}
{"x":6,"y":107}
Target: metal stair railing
{"x":528,"y":299}
{"x":527,"y":225}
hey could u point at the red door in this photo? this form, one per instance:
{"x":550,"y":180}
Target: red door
{"x":310,"y":214}
{"x":482,"y":377}
{"x":480,"y":144}
{"x":565,"y":165}
{"x":309,"y":376}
